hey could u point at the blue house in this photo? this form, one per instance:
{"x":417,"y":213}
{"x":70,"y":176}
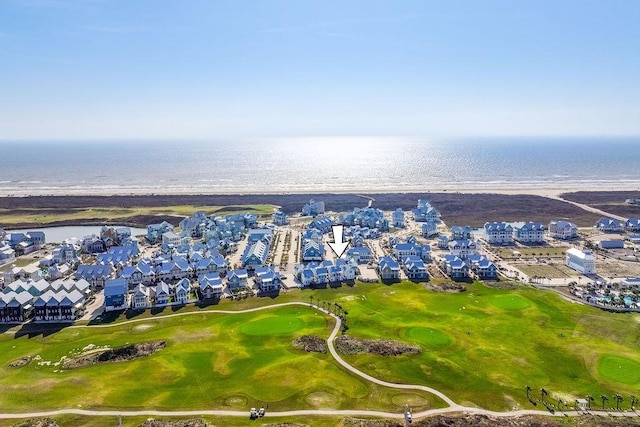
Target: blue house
{"x":255,"y":255}
{"x":155,"y":231}
{"x":425,"y":212}
{"x":115,"y":294}
{"x":459,"y":232}
{"x":237,"y":279}
{"x":322,"y":223}
{"x":499,"y":233}
{"x":455,"y":267}
{"x":632,"y":225}
{"x":609,"y":225}
{"x":415,"y":268}
{"x":429,"y":229}
{"x":397,"y":218}
{"x":312,"y":250}
{"x":483,"y":267}
{"x":267,"y":279}
{"x":362,"y":255}
{"x":388,"y":268}
{"x":210,"y":285}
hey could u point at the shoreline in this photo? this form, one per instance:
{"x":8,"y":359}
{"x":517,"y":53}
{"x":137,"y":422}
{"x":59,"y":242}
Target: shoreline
{"x":553,"y":191}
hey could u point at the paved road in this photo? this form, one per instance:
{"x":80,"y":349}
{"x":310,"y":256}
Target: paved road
{"x":453,"y":407}
{"x":588,"y":208}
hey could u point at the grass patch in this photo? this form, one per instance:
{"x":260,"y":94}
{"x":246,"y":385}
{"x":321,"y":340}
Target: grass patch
{"x":619,"y":369}
{"x":210,"y":361}
{"x":511,"y":302}
{"x":554,"y":271}
{"x":429,"y":337}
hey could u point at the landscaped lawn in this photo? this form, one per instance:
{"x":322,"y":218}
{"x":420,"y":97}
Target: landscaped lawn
{"x":531,"y":252}
{"x":552,"y":271}
{"x":211,"y":361}
{"x":484,"y":346}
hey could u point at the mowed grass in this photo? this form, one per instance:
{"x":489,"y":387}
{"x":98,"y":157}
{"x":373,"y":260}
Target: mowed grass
{"x":211,"y":361}
{"x":482,"y":347}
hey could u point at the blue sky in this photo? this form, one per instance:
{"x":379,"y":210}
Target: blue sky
{"x":200,"y":69}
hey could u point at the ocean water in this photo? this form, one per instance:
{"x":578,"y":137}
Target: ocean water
{"x":317,"y":165}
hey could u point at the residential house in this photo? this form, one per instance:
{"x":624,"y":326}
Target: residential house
{"x":312,"y":250}
{"x":210,"y":286}
{"x":455,"y":267}
{"x":280,"y":218}
{"x":65,"y":253}
{"x":322,"y":223}
{"x":397,"y":218}
{"x":463,"y":248}
{"x":162,"y":293}
{"x":632,"y":225}
{"x":7,"y":254}
{"x":429,"y":229}
{"x":171,"y":239}
{"x":564,"y":230}
{"x":388,"y":268}
{"x":15,"y":307}
{"x":482,"y":267}
{"x":93,"y":244}
{"x":142,"y":297}
{"x":609,"y":225}
{"x":115,"y":294}
{"x":529,"y":233}
{"x":313,"y":208}
{"x":255,"y":255}
{"x":155,"y":231}
{"x":498,"y":233}
{"x":461,"y":232}
{"x":182,"y":291}
{"x":415,"y":268}
{"x":237,"y":279}
{"x":361,"y":255}
{"x":425,"y":212}
{"x":267,"y":279}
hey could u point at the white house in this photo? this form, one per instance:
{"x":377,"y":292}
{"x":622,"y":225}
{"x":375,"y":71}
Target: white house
{"x":529,"y":232}
{"x":581,"y":261}
{"x":562,"y":230}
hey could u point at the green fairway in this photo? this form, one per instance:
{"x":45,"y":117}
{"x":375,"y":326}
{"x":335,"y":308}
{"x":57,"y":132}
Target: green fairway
{"x":482,"y":347}
{"x":619,"y":369}
{"x":428,"y":337}
{"x":273,"y":325}
{"x":211,"y":361}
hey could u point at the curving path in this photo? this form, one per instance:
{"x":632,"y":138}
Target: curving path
{"x":453,"y":406}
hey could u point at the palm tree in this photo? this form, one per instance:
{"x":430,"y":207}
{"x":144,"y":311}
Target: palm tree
{"x":311,"y":299}
{"x":634,"y":400}
{"x":604,"y":399}
{"x":618,"y":399}
{"x":589,"y":400}
{"x":543,"y":393}
{"x":528,"y":390}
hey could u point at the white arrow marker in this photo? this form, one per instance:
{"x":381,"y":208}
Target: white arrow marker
{"x":338,"y":245}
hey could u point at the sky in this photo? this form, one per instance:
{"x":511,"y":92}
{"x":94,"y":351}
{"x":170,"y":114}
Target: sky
{"x":139,"y":69}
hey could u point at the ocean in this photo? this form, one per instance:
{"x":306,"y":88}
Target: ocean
{"x":351,"y":164}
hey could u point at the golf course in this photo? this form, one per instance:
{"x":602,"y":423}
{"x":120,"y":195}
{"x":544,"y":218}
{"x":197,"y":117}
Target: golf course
{"x":481,"y":348}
